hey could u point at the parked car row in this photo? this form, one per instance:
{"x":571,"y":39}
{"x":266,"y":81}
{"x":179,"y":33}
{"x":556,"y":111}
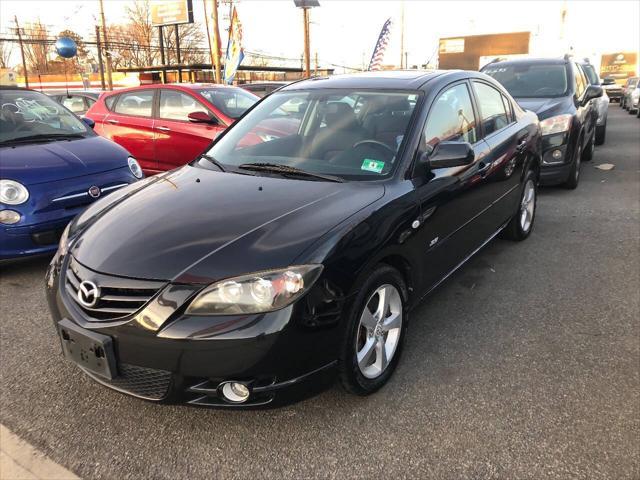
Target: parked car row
{"x":630,"y":95}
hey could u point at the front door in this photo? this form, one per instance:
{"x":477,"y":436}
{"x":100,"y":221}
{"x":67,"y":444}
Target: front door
{"x":451,"y":199}
{"x":177,"y":140}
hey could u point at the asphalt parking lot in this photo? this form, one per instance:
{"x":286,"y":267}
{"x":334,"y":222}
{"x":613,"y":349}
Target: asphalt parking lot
{"x":524,"y":364}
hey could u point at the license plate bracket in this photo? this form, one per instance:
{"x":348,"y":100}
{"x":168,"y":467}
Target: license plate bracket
{"x":90,"y":350}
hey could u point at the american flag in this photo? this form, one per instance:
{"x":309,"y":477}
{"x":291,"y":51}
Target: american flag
{"x":381,"y":47}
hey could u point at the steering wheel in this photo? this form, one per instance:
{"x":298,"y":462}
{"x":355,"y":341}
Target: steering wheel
{"x":375,"y":143}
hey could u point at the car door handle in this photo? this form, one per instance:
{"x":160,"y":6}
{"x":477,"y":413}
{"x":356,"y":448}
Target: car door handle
{"x":113,"y":122}
{"x":522,"y":146}
{"x":483,"y":168}
{"x":164,"y":129}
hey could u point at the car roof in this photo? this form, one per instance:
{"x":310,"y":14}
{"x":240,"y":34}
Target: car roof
{"x":185,"y":86}
{"x":386,"y":79}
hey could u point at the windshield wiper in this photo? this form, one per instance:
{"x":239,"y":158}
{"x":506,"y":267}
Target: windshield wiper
{"x":287,"y":170}
{"x":214,"y":161}
{"x":44,"y":137}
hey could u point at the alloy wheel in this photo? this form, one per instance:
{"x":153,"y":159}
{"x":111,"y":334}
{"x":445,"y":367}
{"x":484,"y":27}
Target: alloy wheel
{"x":527,"y":206}
{"x":379,"y":331}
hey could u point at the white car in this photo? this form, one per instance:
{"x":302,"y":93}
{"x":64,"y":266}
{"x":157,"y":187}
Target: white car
{"x":602,"y":103}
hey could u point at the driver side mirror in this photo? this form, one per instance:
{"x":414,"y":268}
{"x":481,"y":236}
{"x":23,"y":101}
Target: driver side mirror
{"x":448,"y":154}
{"x":202,"y":117}
{"x":593,"y":91}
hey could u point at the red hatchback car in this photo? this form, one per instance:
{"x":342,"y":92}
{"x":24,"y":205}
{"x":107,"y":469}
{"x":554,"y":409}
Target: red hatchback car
{"x":166,"y":126}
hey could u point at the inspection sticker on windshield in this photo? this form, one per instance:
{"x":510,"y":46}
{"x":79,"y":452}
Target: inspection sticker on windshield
{"x":372,"y":165}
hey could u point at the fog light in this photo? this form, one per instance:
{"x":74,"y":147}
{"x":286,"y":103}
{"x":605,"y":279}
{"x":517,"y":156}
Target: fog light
{"x":557,"y":154}
{"x":9,"y":217}
{"x":235,"y":392}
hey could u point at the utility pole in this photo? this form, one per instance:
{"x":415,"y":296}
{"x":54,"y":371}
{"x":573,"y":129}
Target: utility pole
{"x":24,"y":63}
{"x":402,"y":55}
{"x":206,"y":23}
{"x":106,"y":46}
{"x":307,"y":60}
{"x":178,"y":59}
{"x":315,"y":72}
{"x":100,"y":64}
{"x":163,"y":73}
{"x":216,"y":41}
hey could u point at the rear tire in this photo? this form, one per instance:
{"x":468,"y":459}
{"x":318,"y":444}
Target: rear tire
{"x":521,"y":224}
{"x":601,"y":133}
{"x":372,"y":345}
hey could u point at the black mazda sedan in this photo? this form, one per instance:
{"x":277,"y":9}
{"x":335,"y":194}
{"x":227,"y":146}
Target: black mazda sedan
{"x":272,"y":265}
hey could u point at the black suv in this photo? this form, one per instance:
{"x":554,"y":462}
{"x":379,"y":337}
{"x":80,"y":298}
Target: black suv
{"x":559,"y":92}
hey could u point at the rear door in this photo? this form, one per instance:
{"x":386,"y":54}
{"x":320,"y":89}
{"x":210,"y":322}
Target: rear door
{"x":130,"y":124}
{"x":508,"y":142}
{"x":178,"y":140}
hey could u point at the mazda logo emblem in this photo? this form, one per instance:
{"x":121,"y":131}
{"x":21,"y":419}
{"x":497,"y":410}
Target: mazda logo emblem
{"x":88,"y":294}
{"x":95,"y":191}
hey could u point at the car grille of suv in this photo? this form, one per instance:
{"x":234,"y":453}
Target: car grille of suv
{"x":118,"y":297}
{"x":143,"y":382}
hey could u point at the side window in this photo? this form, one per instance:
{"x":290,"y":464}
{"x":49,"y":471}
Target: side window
{"x":451,"y":118}
{"x":493,"y":112}
{"x":175,"y":105}
{"x":578,"y":80}
{"x":138,"y":103}
{"x":110,"y":101}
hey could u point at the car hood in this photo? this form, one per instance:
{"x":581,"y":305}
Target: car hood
{"x":544,"y":107}
{"x":198,"y":225}
{"x":48,"y":162}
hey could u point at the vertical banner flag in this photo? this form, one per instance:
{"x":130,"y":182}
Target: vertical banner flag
{"x":235,"y":54}
{"x":381,"y":47}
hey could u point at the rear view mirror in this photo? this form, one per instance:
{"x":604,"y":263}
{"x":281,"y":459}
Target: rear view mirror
{"x":593,"y":91}
{"x":448,"y":154}
{"x":202,"y":117}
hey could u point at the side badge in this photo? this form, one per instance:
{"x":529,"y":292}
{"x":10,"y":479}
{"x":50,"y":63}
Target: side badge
{"x":434,"y":241}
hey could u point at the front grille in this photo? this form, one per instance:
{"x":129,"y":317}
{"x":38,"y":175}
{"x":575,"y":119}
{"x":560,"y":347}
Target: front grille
{"x":118,"y":297}
{"x":142,"y":382}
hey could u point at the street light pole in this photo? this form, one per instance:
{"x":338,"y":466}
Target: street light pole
{"x":216,"y":41}
{"x":307,"y":48}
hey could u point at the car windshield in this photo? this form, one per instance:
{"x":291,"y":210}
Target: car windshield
{"x":233,"y":102}
{"x":26,"y":114}
{"x":531,"y":80}
{"x":349,"y":134}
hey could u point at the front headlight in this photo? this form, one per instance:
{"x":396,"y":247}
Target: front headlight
{"x":255,"y":293}
{"x":13,"y":193}
{"x":557,"y":124}
{"x":135,"y":168}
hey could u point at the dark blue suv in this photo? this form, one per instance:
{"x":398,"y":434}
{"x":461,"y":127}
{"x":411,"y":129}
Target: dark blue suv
{"x":558,"y":91}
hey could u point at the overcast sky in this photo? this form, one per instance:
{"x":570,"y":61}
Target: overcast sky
{"x":344,"y":32}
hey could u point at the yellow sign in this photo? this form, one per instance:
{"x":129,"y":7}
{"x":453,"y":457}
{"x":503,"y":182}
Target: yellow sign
{"x":620,"y":65}
{"x":171,"y":12}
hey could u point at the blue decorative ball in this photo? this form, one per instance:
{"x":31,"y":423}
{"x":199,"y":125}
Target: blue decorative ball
{"x":66,"y":47}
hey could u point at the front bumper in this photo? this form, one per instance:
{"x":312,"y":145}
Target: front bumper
{"x":51,"y":206}
{"x":164,"y":355}
{"x":554,"y":170}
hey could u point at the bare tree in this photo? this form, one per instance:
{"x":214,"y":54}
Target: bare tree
{"x":192,"y":39}
{"x":36,"y":47}
{"x":5,"y":54}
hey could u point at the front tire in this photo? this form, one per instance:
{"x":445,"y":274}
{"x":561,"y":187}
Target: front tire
{"x":574,"y":174}
{"x":375,"y":334}
{"x":601,"y":133}
{"x":521,"y":225}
